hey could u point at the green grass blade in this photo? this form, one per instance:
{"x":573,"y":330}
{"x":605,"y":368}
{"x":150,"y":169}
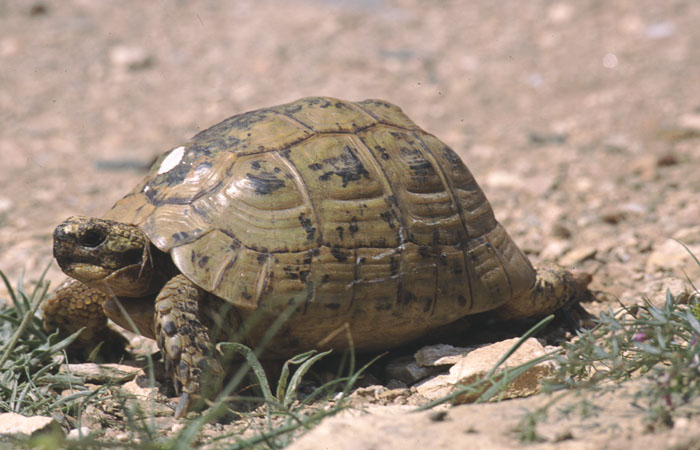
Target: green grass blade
{"x":284,"y":375}
{"x":234,"y":347}
{"x":290,"y":394}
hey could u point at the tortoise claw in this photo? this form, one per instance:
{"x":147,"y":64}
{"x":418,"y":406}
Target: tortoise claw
{"x":183,"y":405}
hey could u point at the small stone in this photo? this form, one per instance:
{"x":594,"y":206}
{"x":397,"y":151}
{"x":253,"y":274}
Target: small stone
{"x":655,"y":291}
{"x":564,"y":435}
{"x":440,"y":355}
{"x":502,"y":179}
{"x":560,"y":12}
{"x":544,"y":138}
{"x":38,"y":9}
{"x":139,"y":388}
{"x":644,"y":166}
{"x":689,"y":235}
{"x":437,"y":416}
{"x":19,"y":426}
{"x":577,"y":255}
{"x":616,"y":144}
{"x":5,"y":205}
{"x":554,"y":250}
{"x":393,"y":394}
{"x":561,"y":231}
{"x":670,"y":256}
{"x":660,"y":30}
{"x":407,"y":370}
{"x":396,"y":384}
{"x":101,"y":373}
{"x":666,"y":160}
{"x":77,"y":433}
{"x":612,"y":215}
{"x":371,"y":392}
{"x":540,"y":184}
{"x":690,"y":121}
{"x":130,"y":58}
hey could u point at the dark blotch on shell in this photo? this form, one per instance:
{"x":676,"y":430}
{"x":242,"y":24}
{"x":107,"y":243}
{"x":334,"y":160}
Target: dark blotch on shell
{"x":265,"y":185}
{"x":307,"y":225}
{"x":339,"y":254}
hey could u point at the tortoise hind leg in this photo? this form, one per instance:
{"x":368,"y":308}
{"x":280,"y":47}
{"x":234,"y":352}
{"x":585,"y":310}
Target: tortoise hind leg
{"x":554,"y":288}
{"x":185,"y":343}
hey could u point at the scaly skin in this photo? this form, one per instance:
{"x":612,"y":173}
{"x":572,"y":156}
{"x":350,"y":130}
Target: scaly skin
{"x":114,"y":265}
{"x":555,"y":288}
{"x":185,"y":343}
{"x":74,"y":305}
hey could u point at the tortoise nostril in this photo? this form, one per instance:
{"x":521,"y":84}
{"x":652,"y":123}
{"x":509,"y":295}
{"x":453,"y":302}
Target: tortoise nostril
{"x":92,"y":238}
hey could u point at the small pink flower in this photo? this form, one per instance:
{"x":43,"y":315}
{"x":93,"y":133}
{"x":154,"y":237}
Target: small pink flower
{"x":639,"y":337}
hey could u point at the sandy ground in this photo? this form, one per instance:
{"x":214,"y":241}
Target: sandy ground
{"x":579,"y":119}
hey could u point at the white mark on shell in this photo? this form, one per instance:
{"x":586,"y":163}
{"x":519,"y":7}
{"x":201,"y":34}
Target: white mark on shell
{"x":172,"y":160}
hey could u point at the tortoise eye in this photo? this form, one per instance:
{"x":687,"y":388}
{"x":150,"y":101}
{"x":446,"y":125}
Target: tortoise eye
{"x":92,"y":238}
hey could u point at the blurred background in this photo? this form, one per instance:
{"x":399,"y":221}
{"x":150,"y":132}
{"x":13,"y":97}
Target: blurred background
{"x":580,"y":119}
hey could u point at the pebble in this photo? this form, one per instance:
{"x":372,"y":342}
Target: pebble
{"x":560,"y":12}
{"x":440,"y":354}
{"x":406,"y":369}
{"x":544,"y":138}
{"x":130,"y":58}
{"x":77,"y":433}
{"x":689,"y":235}
{"x":577,"y":255}
{"x":660,"y":30}
{"x":690,"y":121}
{"x":671,"y":257}
{"x":554,"y":250}
{"x":5,"y":205}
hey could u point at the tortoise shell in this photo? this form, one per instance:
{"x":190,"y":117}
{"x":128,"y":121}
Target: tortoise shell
{"x":346,"y":209}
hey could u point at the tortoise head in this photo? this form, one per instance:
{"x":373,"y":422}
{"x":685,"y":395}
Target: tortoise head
{"x":110,"y":256}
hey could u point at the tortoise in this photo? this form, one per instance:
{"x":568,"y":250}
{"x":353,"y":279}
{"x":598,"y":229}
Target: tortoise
{"x":343,"y":214}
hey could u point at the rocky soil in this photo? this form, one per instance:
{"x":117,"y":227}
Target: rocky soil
{"x":580,"y":120}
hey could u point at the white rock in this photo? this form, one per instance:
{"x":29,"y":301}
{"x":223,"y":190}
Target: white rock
{"x":17,"y":425}
{"x":479,"y":362}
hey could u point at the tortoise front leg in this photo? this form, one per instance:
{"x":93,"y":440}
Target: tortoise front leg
{"x":185,"y":343}
{"x":74,"y":305}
